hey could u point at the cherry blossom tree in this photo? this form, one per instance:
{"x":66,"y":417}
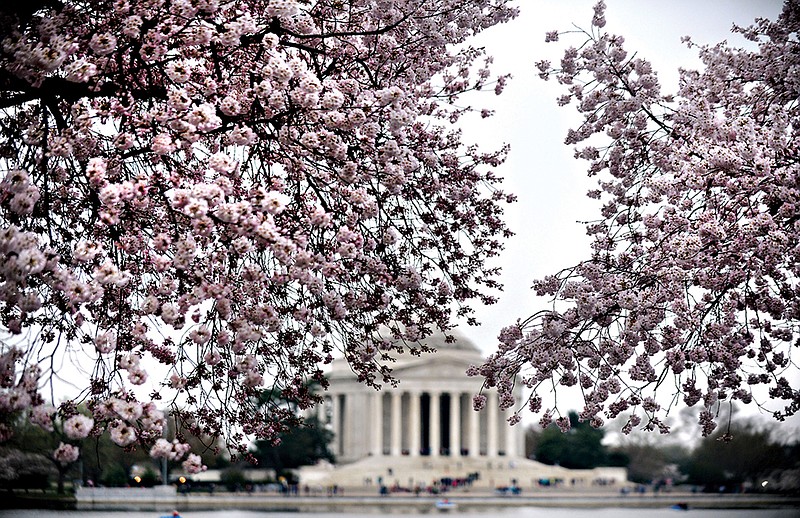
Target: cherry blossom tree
{"x":229,"y":192}
{"x":691,"y":293}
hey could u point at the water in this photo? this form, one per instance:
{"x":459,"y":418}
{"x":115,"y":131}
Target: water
{"x":519,"y":512}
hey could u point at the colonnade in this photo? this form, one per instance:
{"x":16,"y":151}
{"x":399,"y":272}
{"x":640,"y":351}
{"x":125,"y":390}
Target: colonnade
{"x":419,"y":423}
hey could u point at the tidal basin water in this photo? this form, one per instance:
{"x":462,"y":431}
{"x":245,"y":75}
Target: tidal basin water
{"x":519,"y":512}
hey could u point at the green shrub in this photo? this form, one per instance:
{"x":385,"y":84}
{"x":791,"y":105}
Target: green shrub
{"x":114,"y":476}
{"x":150,"y":478}
{"x":233,"y":479}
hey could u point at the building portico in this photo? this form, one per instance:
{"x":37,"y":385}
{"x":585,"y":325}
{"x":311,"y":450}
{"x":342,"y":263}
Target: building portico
{"x":426,"y":429}
{"x":428,"y":415}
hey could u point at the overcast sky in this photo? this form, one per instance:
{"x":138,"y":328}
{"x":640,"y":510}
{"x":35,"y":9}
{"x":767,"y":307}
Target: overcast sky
{"x":550,"y":184}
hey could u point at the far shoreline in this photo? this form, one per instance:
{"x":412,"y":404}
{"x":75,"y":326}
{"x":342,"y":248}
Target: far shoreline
{"x":359,"y":502}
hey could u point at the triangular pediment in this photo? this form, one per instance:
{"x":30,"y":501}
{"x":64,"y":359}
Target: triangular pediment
{"x":440,"y":366}
{"x":433,"y":367}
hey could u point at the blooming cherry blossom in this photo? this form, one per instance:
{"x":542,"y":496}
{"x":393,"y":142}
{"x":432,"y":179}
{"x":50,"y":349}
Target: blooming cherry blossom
{"x":693,"y":278}
{"x":66,"y":453}
{"x":78,"y":426}
{"x":179,"y":179}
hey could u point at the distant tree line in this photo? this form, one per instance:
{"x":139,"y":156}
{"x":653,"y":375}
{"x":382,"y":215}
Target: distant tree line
{"x":26,"y":461}
{"x":742,"y":457}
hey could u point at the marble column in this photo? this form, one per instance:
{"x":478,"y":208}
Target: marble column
{"x":511,"y":438}
{"x":474,"y":433}
{"x":415,"y":424}
{"x":336,"y":424}
{"x":511,"y":435}
{"x":455,"y":424}
{"x":491,"y":425}
{"x":377,"y":423}
{"x":397,"y":423}
{"x":435,"y":418}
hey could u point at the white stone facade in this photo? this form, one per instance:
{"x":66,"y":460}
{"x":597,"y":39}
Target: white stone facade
{"x":428,"y":415}
{"x":426,"y":429}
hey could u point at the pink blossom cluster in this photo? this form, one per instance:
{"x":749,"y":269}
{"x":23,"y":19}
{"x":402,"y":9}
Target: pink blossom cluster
{"x":129,"y":420}
{"x":233,"y":190}
{"x":176,"y":450}
{"x":42,"y":416}
{"x":69,"y":425}
{"x":696,"y":253}
{"x":66,"y":453}
{"x":18,"y":390}
{"x":193,"y":464}
{"x":78,"y":426}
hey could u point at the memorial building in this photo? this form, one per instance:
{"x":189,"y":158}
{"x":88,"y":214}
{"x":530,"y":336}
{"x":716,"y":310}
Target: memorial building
{"x":429,"y":414}
{"x":426,"y":428}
